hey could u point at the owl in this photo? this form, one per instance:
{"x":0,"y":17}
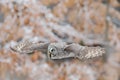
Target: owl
{"x":59,"y":50}
{"x":64,"y":50}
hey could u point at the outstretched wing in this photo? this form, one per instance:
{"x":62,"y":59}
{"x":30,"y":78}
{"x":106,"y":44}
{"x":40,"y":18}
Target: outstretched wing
{"x":90,"y":52}
{"x":27,"y":46}
{"x":84,"y":52}
{"x":22,"y":47}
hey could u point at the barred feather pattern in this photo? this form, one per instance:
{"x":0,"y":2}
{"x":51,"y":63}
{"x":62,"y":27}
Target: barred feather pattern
{"x":23,"y":47}
{"x":90,"y":52}
{"x":62,"y":50}
{"x":27,"y":46}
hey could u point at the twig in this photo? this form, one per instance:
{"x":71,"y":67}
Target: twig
{"x":107,"y":23}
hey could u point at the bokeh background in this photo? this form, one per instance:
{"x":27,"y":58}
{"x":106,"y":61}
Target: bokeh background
{"x":87,"y":22}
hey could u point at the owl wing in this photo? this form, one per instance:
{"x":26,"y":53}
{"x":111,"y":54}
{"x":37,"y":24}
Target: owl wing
{"x":90,"y":52}
{"x":27,"y":46}
{"x":41,"y":46}
{"x":22,"y":47}
{"x":84,"y":52}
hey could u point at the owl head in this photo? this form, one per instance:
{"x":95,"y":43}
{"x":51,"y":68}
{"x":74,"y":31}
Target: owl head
{"x":52,"y":52}
{"x":59,"y":50}
{"x":55,"y":50}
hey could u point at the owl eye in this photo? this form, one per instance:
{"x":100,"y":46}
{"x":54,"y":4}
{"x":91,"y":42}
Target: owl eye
{"x":52,"y":50}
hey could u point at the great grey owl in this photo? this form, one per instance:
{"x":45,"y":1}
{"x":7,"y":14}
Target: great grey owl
{"x":59,"y":50}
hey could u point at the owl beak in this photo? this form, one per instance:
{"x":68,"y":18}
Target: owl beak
{"x":49,"y":55}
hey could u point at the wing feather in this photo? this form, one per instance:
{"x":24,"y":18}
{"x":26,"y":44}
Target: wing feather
{"x":91,"y":52}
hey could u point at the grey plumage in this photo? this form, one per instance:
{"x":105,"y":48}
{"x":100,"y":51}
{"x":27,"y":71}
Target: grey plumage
{"x":23,"y":47}
{"x":62,"y":50}
{"x":59,"y":50}
{"x":27,"y":46}
{"x":56,"y":51}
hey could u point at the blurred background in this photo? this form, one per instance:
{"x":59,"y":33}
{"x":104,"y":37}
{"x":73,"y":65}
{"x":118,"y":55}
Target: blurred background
{"x":87,"y":22}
